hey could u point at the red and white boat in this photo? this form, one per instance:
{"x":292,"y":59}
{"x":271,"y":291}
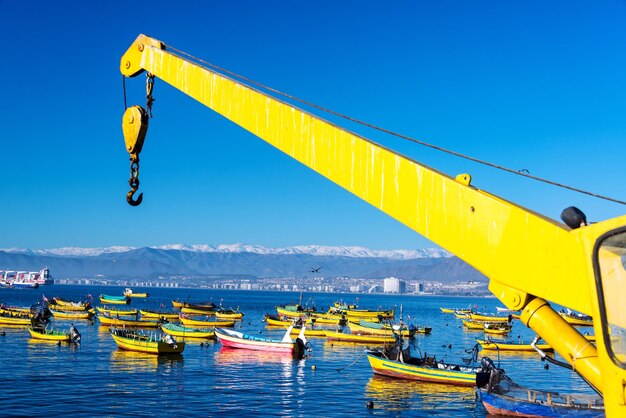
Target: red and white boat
{"x":25,"y":279}
{"x":235,"y":339}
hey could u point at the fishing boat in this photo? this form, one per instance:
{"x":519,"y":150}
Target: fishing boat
{"x":577,"y":319}
{"x":294,"y":311}
{"x":489,"y":317}
{"x":234,"y":339}
{"x":398,"y":363}
{"x":229,"y":314}
{"x":508,"y":345}
{"x":203,"y":323}
{"x":326,"y":319}
{"x":114,"y":300}
{"x":463,"y":311}
{"x":73,"y":315}
{"x":117,"y":311}
{"x":146,"y":343}
{"x":370,"y":314}
{"x":187,"y":332}
{"x":15,"y":318}
{"x":310,"y":332}
{"x":360,"y":338}
{"x":67,"y":305}
{"x":375,"y":328}
{"x":197,"y":310}
{"x":128,"y":292}
{"x":502,"y":328}
{"x":470,"y":324}
{"x":168,"y":316}
{"x":501,"y":396}
{"x":49,"y":334}
{"x":106,"y":319}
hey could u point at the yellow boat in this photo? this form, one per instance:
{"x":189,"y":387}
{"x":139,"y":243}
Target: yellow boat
{"x":294,"y":311}
{"x":129,"y":293}
{"x":578,"y":320}
{"x":229,"y":315}
{"x":49,"y":335}
{"x":359,"y":338}
{"x":114,"y":300}
{"x":170,"y":316}
{"x":135,"y":341}
{"x":14,"y":320}
{"x":187,"y":332}
{"x":127,"y":322}
{"x":197,"y":311}
{"x":177,"y":304}
{"x":461,"y":315}
{"x":205,"y":323}
{"x":462,"y":311}
{"x":488,"y":318}
{"x":72,"y":315}
{"x":470,"y":324}
{"x":116,"y":311}
{"x":489,"y":344}
{"x":363,"y":329}
{"x":367,"y":314}
{"x":71,"y":308}
{"x":310,"y":332}
{"x":497,"y":328}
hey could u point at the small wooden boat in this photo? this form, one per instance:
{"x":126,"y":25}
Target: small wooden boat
{"x":463,"y":311}
{"x":504,"y":345}
{"x":497,"y":328}
{"x":343,"y":306}
{"x":234,"y":339}
{"x":128,"y":292}
{"x":63,"y":302}
{"x":205,"y":322}
{"x":360,"y":338}
{"x":114,"y":300}
{"x":197,"y":311}
{"x":369,"y":314}
{"x":374,"y":328}
{"x":117,"y":311}
{"x":326,"y":319}
{"x":49,"y":334}
{"x":400,"y":364}
{"x":106,"y":319}
{"x":187,"y":332}
{"x":294,"y":311}
{"x":310,"y":332}
{"x":489,"y":318}
{"x":154,"y":344}
{"x":470,"y":324}
{"x":15,"y":319}
{"x":277,"y":321}
{"x":169,"y":316}
{"x":462,"y":315}
{"x":72,"y":315}
{"x":501,"y":396}
{"x":229,"y":314}
{"x":577,"y":319}
{"x":177,"y":304}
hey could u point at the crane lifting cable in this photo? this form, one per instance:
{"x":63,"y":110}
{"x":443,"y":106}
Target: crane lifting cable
{"x":522,"y":172}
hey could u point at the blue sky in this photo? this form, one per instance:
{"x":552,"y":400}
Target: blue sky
{"x":529,"y":85}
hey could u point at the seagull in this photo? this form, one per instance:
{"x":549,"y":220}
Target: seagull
{"x":315,"y":270}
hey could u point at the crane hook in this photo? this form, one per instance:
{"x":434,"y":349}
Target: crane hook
{"x":130,"y":198}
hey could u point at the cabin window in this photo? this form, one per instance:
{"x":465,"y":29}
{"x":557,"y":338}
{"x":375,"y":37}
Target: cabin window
{"x":610,"y":257}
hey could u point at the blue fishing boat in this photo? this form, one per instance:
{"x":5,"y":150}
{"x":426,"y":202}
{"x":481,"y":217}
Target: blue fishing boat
{"x":114,"y":300}
{"x":501,"y":396}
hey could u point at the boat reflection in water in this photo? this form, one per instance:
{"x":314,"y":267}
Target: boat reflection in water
{"x":235,"y":356}
{"x":126,"y":361}
{"x":400,"y":395}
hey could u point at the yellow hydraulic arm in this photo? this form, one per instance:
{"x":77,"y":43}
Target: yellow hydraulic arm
{"x":528,"y":258}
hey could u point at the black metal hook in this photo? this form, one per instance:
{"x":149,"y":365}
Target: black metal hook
{"x":130,"y":198}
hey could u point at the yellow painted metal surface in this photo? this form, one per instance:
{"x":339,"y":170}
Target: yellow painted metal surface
{"x":524,"y":254}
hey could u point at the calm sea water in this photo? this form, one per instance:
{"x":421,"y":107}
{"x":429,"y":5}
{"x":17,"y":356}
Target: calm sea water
{"x":97,"y":379}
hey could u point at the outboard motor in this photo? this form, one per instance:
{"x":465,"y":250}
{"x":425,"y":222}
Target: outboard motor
{"x":39,"y":317}
{"x":300,"y":349}
{"x":74,"y":334}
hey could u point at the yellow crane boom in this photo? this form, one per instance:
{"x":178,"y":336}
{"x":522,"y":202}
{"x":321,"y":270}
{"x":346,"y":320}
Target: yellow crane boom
{"x":528,"y":258}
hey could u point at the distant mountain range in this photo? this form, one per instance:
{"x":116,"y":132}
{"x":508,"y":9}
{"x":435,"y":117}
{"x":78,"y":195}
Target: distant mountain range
{"x":240,"y":260}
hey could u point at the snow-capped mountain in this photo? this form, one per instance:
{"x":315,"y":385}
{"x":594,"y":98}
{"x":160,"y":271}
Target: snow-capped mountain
{"x":315,"y":250}
{"x":181,"y":260}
